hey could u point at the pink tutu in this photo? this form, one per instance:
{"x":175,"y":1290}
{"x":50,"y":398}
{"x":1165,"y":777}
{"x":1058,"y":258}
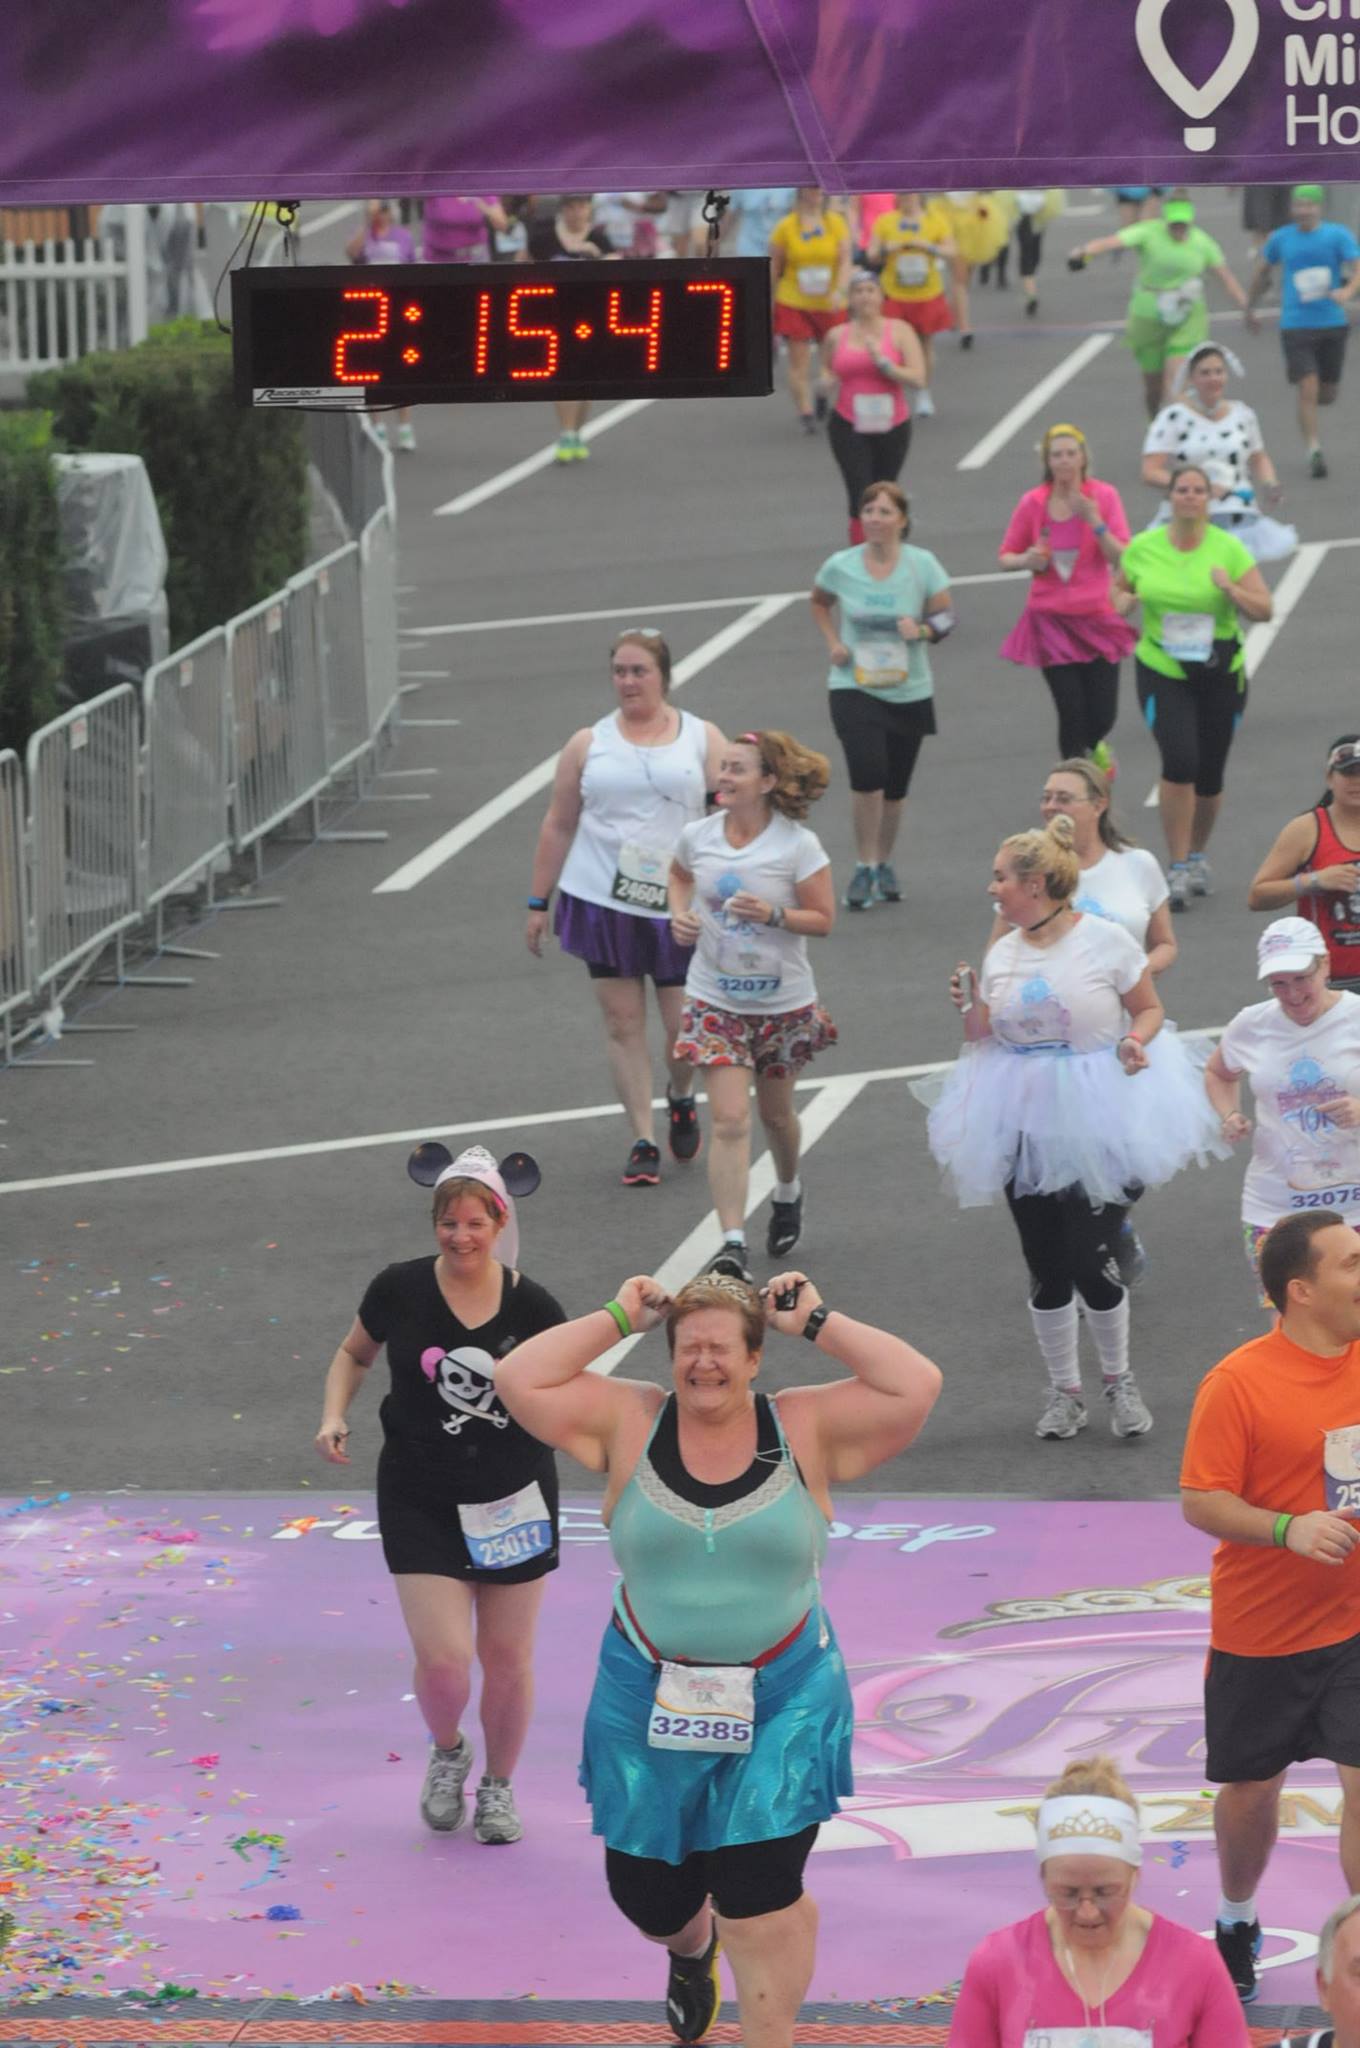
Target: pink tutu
{"x":1043,"y":639}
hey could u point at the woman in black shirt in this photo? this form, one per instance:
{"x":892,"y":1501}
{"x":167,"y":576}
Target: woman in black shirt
{"x":467,"y":1500}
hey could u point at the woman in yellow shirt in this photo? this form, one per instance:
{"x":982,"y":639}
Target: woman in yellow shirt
{"x":810,"y":271}
{"x":907,"y":247}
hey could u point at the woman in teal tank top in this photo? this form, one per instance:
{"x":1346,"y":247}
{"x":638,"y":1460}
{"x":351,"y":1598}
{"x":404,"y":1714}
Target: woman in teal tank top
{"x":718,"y":1733}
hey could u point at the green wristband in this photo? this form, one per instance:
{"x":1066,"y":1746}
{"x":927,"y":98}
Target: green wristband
{"x":620,"y":1315}
{"x":1281,"y":1531}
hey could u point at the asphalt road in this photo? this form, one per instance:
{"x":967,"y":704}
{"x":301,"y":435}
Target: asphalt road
{"x":197,"y":1308}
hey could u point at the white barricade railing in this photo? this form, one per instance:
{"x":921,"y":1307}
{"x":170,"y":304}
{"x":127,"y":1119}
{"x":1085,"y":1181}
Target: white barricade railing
{"x":378,"y":572}
{"x":83,"y":833}
{"x":278,"y":739}
{"x":186,"y":774}
{"x":14,"y":968}
{"x":327,"y":601}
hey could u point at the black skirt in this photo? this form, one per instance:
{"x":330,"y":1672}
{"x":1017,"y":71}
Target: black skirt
{"x":421,"y":1532}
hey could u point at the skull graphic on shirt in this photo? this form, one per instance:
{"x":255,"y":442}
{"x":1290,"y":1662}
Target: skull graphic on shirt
{"x":465,"y":1382}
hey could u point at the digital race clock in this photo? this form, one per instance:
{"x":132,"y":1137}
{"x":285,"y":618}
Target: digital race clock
{"x":455,"y":333}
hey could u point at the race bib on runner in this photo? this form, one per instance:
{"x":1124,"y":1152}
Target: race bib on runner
{"x":1088,"y":2037}
{"x":881,"y":664}
{"x":1341,"y":1469}
{"x":640,"y":877}
{"x":873,"y":411}
{"x":503,"y":1533}
{"x":704,"y":1707}
{"x":1176,"y":305}
{"x":746,"y":966}
{"x":814,"y":280}
{"x":1188,"y":636}
{"x":1313,"y":283}
{"x":912,"y":269}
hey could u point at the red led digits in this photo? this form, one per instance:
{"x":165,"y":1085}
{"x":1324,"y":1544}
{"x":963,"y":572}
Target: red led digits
{"x":382,"y":307}
{"x":651,"y":328}
{"x":482,"y":348}
{"x":547,"y":335}
{"x":727,"y":300}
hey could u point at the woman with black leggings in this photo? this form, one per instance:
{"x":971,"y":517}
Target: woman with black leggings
{"x":1196,"y":584}
{"x":873,"y":363}
{"x":1067,"y":1094}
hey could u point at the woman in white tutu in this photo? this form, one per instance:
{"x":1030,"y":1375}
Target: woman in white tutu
{"x":1202,"y":425}
{"x":1068,"y":1091}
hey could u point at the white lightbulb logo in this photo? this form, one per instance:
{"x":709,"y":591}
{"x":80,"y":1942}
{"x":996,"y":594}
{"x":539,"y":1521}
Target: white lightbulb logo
{"x":1197,"y":100}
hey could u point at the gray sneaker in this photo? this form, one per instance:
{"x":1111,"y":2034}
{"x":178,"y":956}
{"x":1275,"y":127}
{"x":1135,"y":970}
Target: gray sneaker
{"x":860,"y":894}
{"x":1129,"y":1414}
{"x":1178,"y":885}
{"x":1064,"y":1414}
{"x":1201,"y":876}
{"x":495,"y":1819}
{"x":442,"y":1806}
{"x":887,"y":888}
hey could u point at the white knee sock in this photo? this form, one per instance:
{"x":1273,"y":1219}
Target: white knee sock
{"x":1056,"y":1332}
{"x":1109,"y":1329}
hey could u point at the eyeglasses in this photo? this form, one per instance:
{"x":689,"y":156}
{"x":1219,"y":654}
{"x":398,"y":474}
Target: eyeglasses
{"x":1055,"y":796}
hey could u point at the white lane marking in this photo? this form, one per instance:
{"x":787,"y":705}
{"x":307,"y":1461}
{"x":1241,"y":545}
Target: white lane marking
{"x":373,"y":1140}
{"x":1290,"y":588}
{"x":505,"y":479}
{"x":426,"y":722}
{"x":643,"y":614}
{"x":450,"y":843}
{"x":312,"y":227}
{"x":407,"y":772}
{"x":688,"y":1256}
{"x":426,"y":675}
{"x":1009,"y":425}
{"x":1153,"y":797}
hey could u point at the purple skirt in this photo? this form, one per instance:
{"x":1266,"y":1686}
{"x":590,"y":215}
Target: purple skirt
{"x":1040,"y":639}
{"x":620,"y":942}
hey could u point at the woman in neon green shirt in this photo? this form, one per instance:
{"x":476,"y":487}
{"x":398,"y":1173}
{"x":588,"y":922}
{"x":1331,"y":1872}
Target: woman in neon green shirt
{"x":1168,"y":313}
{"x":1196,"y":584}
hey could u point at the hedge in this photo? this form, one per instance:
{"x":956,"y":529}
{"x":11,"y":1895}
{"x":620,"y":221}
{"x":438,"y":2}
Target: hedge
{"x":32,"y":600}
{"x":230,"y":484}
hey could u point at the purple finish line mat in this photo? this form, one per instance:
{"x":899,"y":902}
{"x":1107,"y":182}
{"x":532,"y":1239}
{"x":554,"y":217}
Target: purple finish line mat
{"x":211,"y":1758}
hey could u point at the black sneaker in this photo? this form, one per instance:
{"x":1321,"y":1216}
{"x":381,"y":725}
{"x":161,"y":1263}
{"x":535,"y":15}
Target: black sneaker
{"x":1239,"y":1945}
{"x":729,"y":1262}
{"x":1317,"y":463}
{"x":693,"y":1993}
{"x":821,"y":406}
{"x":786,"y":1227}
{"x":685,"y":1135}
{"x":644,"y":1165}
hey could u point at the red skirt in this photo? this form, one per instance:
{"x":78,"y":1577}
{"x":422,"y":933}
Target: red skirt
{"x":806,"y":323}
{"x":927,"y":316}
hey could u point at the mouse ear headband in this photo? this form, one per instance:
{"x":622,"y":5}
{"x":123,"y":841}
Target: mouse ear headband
{"x":1206,"y":348}
{"x":431,"y":1164}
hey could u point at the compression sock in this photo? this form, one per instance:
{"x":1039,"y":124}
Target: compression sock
{"x":1056,"y":1332}
{"x":1109,"y":1329}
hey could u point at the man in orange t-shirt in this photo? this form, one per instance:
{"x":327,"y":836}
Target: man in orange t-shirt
{"x":1272,"y":1468}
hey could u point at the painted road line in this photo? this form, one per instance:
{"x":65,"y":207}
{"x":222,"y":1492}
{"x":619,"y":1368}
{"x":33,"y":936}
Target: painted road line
{"x":451,"y":843}
{"x":426,"y":675}
{"x":650,"y":611}
{"x":425,"y":723}
{"x":506,"y":479}
{"x":1010,"y":424}
{"x":385,"y":774}
{"x":1303,"y":567}
{"x":371,"y":1141}
{"x":685,"y":1261}
{"x":313,"y":227}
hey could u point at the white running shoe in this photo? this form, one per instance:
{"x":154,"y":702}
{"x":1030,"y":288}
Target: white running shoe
{"x":923,"y":405}
{"x":1201,"y":876}
{"x":442,"y":1806}
{"x":1129,"y":1414}
{"x":495,"y":1819}
{"x":1064,"y":1414}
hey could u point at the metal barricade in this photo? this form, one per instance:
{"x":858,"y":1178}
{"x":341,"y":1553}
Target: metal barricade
{"x":186,"y":826}
{"x":378,"y":570}
{"x":14,"y":967}
{"x":84,"y":838}
{"x":278,"y":750}
{"x":327,"y":603}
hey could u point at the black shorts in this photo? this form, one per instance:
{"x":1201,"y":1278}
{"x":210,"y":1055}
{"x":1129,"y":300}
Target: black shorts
{"x":1314,"y":352}
{"x":880,"y":740}
{"x":744,"y":1881}
{"x":1262,"y":1714}
{"x":419,"y":1525}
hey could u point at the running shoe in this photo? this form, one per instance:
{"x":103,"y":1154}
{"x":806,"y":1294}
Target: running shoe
{"x":685,"y":1137}
{"x":380,"y":429}
{"x":495,"y":1818}
{"x":1317,"y":463}
{"x":729,"y":1262}
{"x":644,"y":1165}
{"x":809,"y":423}
{"x":786,"y":1227}
{"x":1130,"y":1254}
{"x":1239,"y":1945}
{"x":1103,"y":758}
{"x":966,"y":339}
{"x":887,"y":889}
{"x":860,"y":894}
{"x":923,"y":405}
{"x":1178,"y":885}
{"x":580,"y":450}
{"x":821,"y":406}
{"x":693,"y":1993}
{"x":1064,"y":1414}
{"x":1031,"y":308}
{"x":564,"y":451}
{"x":442,"y":1806}
{"x":1201,"y":876}
{"x":1129,"y":1414}
{"x":406,"y":437}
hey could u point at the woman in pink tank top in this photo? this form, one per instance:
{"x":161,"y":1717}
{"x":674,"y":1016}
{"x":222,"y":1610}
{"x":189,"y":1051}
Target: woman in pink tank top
{"x":873,"y":362}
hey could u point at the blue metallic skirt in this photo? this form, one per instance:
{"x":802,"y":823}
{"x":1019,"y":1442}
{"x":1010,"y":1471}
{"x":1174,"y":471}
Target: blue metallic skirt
{"x":666,"y":1803}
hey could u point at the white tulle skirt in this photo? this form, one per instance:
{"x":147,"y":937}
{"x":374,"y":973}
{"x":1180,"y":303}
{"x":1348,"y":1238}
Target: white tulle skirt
{"x":1267,"y":539}
{"x":1049,"y":1121}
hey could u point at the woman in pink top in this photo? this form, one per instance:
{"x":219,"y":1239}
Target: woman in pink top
{"x":1070,"y":533}
{"x":873,"y":362}
{"x":458,"y":228}
{"x":1093,"y":1962}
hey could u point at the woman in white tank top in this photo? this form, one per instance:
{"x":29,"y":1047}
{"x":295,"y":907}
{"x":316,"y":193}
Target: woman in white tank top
{"x":624,"y":790}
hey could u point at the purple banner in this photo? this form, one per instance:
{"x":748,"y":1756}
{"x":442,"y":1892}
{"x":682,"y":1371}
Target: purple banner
{"x":296,"y":99}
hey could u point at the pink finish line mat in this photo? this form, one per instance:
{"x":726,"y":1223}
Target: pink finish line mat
{"x":210,"y":1758}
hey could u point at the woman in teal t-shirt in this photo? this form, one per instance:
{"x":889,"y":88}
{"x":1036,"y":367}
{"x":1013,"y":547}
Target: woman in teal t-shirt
{"x":1196,"y":584}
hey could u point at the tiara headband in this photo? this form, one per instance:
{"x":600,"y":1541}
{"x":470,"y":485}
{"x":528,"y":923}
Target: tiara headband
{"x":1087,"y":1825}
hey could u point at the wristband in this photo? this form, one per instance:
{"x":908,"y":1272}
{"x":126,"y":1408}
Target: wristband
{"x":812,"y":1328}
{"x":1281,"y":1532}
{"x":776,"y":916}
{"x":620,"y":1315}
{"x":1098,"y":530}
{"x":1303,"y":884}
{"x":537,"y":902}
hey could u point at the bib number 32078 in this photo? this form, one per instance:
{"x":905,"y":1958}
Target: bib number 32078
{"x":705,"y":1707}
